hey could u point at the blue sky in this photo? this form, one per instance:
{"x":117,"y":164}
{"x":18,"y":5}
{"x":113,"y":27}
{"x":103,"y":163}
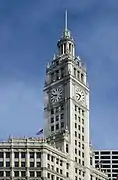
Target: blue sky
{"x":29,"y":31}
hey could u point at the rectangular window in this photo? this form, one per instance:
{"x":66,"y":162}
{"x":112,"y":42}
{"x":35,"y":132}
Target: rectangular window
{"x":23,"y":173}
{"x":7,"y":173}
{"x":52,"y":119}
{"x":57,"y":74}
{"x":57,"y":126}
{"x":62,"y":116}
{"x":75,"y":125}
{"x":67,"y":149}
{"x":16,"y":154}
{"x":75,"y":116}
{"x":16,"y":173}
{"x":62,"y":72}
{"x":78,"y":74}
{"x":75,"y":150}
{"x":75,"y":108}
{"x":23,"y":154}
{"x":38,"y":155}
{"x":16,"y":164}
{"x":22,"y":164}
{"x":57,"y":109}
{"x":75,"y":72}
{"x":62,"y":107}
{"x":62,"y":124}
{"x":8,"y":164}
{"x":83,"y":129}
{"x":82,"y":138}
{"x":75,"y":134}
{"x":31,"y":173}
{"x":67,"y":166}
{"x":38,"y":164}
{"x":1,"y":154}
{"x":31,"y":164}
{"x":31,"y":154}
{"x":48,"y":156}
{"x":52,"y":111}
{"x":82,"y":112}
{"x":82,"y":77}
{"x":75,"y":142}
{"x":7,"y":154}
{"x":52,"y":128}
{"x":57,"y":118}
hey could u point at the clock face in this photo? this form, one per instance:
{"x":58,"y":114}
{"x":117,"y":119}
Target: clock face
{"x":56,"y":94}
{"x":80,"y":95}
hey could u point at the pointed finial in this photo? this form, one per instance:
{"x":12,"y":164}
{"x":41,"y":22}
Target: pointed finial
{"x":66,"y":20}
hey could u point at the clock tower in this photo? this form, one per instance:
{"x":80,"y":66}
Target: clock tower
{"x":66,"y":104}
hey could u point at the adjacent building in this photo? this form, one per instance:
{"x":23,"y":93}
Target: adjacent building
{"x":107,"y":160}
{"x":65,"y":153}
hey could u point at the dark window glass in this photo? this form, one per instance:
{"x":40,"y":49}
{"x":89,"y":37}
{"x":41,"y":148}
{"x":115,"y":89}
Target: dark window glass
{"x":62,"y":124}
{"x":38,"y":154}
{"x":38,"y":164}
{"x":57,"y":126}
{"x":16,"y":173}
{"x":16,"y":155}
{"x":1,"y":173}
{"x":31,"y":154}
{"x":1,"y":154}
{"x":8,"y":164}
{"x":52,"y":128}
{"x":7,"y":173}
{"x":23,"y":154}
{"x":1,"y":164}
{"x":16,"y":164}
{"x":22,"y":164}
{"x":7,"y":154}
{"x":104,"y":152}
{"x":31,"y":173}
{"x":31,"y":164}
{"x":38,"y":173}
{"x":23,"y":173}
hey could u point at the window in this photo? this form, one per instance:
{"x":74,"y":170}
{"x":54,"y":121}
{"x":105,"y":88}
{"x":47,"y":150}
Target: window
{"x":52,"y":76}
{"x":75,"y":134}
{"x":62,"y":124}
{"x":57,"y":109}
{"x":75,"y":117}
{"x":62,"y":72}
{"x":7,"y":173}
{"x":52,"y":158}
{"x":48,"y":175}
{"x":38,"y":173}
{"x":75,"y":108}
{"x":67,"y":149}
{"x":38,"y":164}
{"x":52,"y":177}
{"x":78,"y":74}
{"x":8,"y":164}
{"x":7,"y":154}
{"x":57,"y":118}
{"x":31,"y":154}
{"x":83,"y":154}
{"x":23,"y":174}
{"x":22,"y":164}
{"x":61,"y":172}
{"x":64,"y":48}
{"x":57,"y":161}
{"x":16,"y":155}
{"x":75,"y":159}
{"x":57,"y":74}
{"x":52,"y":128}
{"x":48,"y":156}
{"x":82,"y":138}
{"x":52,"y":119}
{"x":16,"y":164}
{"x":31,"y":164}
{"x":1,"y":164}
{"x":57,"y":170}
{"x":75,"y":142}
{"x":82,"y":121}
{"x":83,"y":129}
{"x":79,"y":127}
{"x":75,"y":150}
{"x":1,"y":173}
{"x":16,"y":173}
{"x":79,"y":152}
{"x":67,"y":166}
{"x":91,"y":162}
{"x":62,"y":116}
{"x":75,"y":170}
{"x":82,"y":146}
{"x":78,"y":118}
{"x":91,"y":177}
{"x":57,"y":126}
{"x":52,"y":111}
{"x":23,"y":154}
{"x":79,"y":109}
{"x":82,"y":77}
{"x":38,"y":155}
{"x":79,"y":136}
{"x":67,"y":174}
{"x":75,"y":125}
{"x":79,"y":144}
{"x":74,"y":72}
{"x":82,"y":112}
{"x":61,"y":162}
{"x":1,"y":154}
{"x":79,"y":161}
{"x":31,"y":173}
{"x":62,"y":107}
{"x":83,"y":163}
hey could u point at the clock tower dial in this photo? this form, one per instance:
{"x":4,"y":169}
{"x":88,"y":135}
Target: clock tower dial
{"x":56,"y":94}
{"x":79,"y":95}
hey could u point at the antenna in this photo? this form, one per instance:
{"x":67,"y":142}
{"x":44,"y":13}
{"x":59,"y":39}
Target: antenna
{"x":66,"y":20}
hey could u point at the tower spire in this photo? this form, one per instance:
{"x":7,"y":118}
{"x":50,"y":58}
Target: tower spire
{"x":66,"y":20}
